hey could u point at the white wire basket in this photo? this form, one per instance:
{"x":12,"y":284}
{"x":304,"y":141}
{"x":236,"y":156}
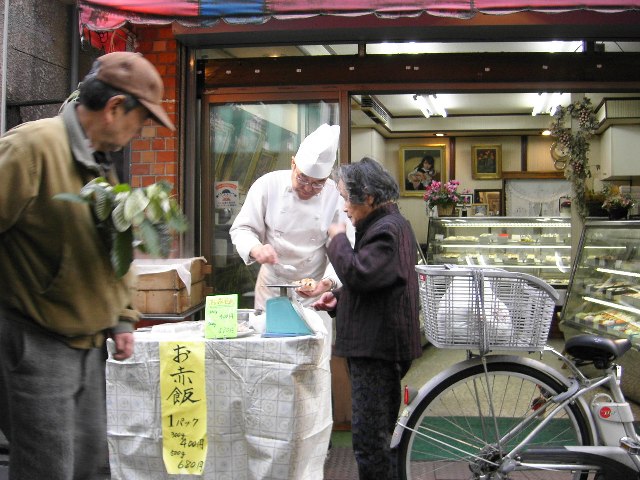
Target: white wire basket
{"x":485,"y":309}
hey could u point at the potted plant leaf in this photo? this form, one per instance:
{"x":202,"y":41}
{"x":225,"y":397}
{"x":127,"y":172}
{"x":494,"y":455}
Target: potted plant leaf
{"x":143,"y":218}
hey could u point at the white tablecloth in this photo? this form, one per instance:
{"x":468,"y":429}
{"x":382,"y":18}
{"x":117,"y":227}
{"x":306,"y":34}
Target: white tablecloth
{"x":268,"y":408}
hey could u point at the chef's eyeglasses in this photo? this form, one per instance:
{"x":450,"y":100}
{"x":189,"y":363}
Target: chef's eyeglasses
{"x":306,"y":182}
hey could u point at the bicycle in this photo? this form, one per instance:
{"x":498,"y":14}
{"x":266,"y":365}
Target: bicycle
{"x":504,"y":416}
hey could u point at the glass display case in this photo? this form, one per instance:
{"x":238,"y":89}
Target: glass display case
{"x":539,"y":246}
{"x":604,"y":292}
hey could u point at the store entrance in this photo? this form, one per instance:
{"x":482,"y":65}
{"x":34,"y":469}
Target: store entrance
{"x":245,"y":140}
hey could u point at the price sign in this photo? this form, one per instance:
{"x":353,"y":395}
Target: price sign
{"x":184,"y":407}
{"x":221,"y":316}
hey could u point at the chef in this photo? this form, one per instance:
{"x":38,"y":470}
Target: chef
{"x":284,"y":220}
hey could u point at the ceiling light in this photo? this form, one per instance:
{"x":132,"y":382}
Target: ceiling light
{"x":546,"y":103}
{"x":554,"y":102}
{"x":437,"y":105}
{"x":541,"y":101}
{"x":429,"y":105}
{"x":423,"y":105}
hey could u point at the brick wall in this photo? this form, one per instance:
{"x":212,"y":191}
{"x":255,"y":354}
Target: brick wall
{"x":154,"y":155}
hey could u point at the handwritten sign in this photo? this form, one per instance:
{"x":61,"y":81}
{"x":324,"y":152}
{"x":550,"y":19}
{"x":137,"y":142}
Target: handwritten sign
{"x":183,"y":406}
{"x":221,"y":316}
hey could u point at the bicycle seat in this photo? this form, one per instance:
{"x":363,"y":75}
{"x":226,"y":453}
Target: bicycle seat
{"x":600,"y":350}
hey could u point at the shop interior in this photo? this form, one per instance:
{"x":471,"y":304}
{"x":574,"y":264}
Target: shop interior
{"x":258,"y":133}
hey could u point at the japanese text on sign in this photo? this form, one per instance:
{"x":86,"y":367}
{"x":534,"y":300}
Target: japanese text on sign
{"x":221,"y":316}
{"x":184,"y":407}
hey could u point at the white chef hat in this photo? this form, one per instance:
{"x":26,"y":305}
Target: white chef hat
{"x":317,"y":152}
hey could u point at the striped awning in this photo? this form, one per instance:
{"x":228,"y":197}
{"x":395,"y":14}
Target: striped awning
{"x":111,"y":14}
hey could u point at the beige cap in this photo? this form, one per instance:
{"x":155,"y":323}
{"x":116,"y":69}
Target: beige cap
{"x":317,"y":152}
{"x":134,"y":74}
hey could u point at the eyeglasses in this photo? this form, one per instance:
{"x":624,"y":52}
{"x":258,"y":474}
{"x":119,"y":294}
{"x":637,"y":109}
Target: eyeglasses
{"x":305,"y":182}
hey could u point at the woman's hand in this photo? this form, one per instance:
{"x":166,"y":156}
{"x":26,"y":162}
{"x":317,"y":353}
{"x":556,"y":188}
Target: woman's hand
{"x":324,"y":285}
{"x":336,"y":228}
{"x":327,"y":302}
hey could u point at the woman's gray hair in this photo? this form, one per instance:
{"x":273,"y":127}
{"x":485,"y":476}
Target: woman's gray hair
{"x":367,"y":177}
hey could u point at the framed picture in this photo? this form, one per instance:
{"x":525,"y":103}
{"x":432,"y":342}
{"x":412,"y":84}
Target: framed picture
{"x":261,"y":164}
{"x":487,"y":162}
{"x":419,"y":166}
{"x":479,"y":210}
{"x":222,"y":135}
{"x":491,"y":197}
{"x":247,"y":149}
{"x":467,"y":200}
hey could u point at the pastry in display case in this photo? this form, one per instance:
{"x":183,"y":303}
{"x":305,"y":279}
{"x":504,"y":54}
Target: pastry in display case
{"x":539,"y":246}
{"x":604,"y":293}
{"x":603,"y":297}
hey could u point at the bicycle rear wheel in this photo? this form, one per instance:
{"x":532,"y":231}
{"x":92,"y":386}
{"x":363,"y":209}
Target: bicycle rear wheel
{"x":452,"y":433}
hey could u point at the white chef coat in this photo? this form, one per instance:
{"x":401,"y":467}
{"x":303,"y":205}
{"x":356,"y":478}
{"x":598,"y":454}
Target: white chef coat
{"x":297,"y":229}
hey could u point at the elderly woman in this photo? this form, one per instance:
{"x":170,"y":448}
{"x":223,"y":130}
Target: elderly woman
{"x":376,"y":308}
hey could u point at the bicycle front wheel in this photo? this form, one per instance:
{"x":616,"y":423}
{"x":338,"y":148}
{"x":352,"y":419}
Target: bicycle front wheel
{"x":464,"y":425}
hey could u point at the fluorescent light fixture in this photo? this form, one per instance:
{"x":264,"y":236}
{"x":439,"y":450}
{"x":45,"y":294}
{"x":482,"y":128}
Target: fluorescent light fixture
{"x":423,"y":105}
{"x":554,"y":102}
{"x":429,"y":105}
{"x":546,"y":103}
{"x":437,"y":105}
{"x":541,"y":101}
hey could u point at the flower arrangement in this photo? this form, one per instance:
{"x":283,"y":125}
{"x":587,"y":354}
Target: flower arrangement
{"x":576,"y":144}
{"x":615,"y":200}
{"x":128,"y":218}
{"x":438,"y":193}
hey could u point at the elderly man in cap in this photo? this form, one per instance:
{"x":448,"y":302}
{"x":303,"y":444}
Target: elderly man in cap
{"x":59,"y":295}
{"x":285,"y":217}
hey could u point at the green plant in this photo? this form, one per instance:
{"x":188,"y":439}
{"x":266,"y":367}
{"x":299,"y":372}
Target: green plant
{"x":143,"y":218}
{"x":576,"y":144}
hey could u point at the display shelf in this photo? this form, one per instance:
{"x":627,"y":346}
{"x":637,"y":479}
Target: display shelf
{"x":604,"y":293}
{"x":538,"y":246}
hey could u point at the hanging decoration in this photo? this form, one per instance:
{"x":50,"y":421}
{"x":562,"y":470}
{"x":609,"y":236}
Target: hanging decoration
{"x":575,"y":143}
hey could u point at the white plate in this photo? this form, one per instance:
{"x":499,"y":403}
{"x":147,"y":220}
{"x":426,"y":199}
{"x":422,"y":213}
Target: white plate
{"x":246,"y":333}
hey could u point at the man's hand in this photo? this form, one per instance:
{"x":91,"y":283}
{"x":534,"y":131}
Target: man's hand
{"x":264,"y":254}
{"x":124,"y":345}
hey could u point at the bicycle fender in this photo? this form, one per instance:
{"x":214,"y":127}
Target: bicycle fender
{"x":427,"y":388}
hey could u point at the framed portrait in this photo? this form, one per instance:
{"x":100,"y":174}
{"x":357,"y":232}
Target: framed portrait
{"x":486,"y":162}
{"x":479,"y":210}
{"x":492,"y":198}
{"x":419,"y":166}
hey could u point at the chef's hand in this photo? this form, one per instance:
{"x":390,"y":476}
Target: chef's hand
{"x":327,"y":302}
{"x":124,"y":345}
{"x":336,"y":228}
{"x":324,"y":285}
{"x":264,"y":254}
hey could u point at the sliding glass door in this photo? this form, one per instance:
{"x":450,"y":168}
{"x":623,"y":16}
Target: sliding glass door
{"x":245,"y":140}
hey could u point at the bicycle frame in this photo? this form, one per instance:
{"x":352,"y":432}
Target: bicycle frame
{"x":605,"y":452}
